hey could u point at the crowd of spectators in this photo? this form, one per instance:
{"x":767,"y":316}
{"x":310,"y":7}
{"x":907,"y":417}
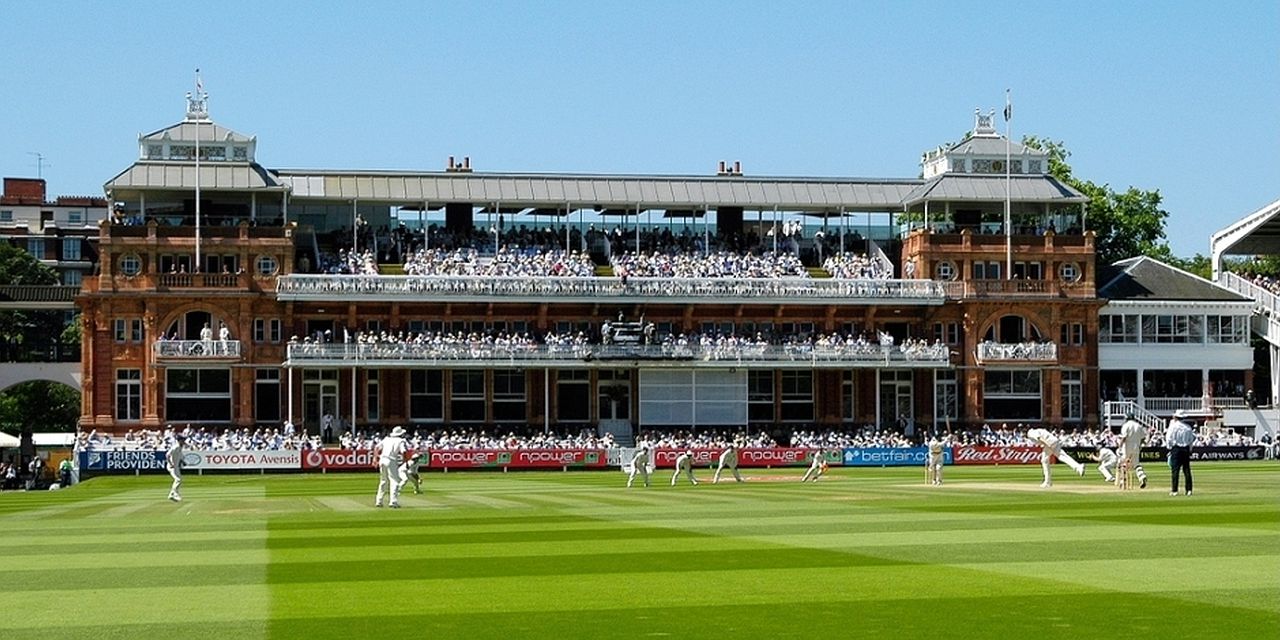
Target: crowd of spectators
{"x":705,"y":439}
{"x":454,"y":439}
{"x":461,"y":345}
{"x":507,"y":261}
{"x":857,"y":266}
{"x":720,"y":264}
{"x":363,"y":263}
{"x":201,"y":439}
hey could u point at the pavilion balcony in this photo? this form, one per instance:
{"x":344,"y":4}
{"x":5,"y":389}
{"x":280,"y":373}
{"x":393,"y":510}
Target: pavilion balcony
{"x":1020,"y":352}
{"x":409,"y":355}
{"x":790,"y":291}
{"x":195,"y":350}
{"x":199,"y":280}
{"x":1020,"y":289}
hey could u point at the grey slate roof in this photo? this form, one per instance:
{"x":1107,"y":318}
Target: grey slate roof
{"x":610,"y":191}
{"x":965,"y":187}
{"x":181,"y":175}
{"x":1148,"y":279}
{"x":186,"y":131}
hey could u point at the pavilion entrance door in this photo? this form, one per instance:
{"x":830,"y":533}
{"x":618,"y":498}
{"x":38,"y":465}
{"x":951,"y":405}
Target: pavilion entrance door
{"x":319,"y":398}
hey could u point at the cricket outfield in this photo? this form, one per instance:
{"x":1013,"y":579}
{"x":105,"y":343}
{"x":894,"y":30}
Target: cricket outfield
{"x":864,"y":552}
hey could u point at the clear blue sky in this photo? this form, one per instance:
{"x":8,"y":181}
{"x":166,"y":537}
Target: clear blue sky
{"x":1183,"y":97}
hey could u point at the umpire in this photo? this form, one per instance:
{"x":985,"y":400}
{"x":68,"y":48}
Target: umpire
{"x":1179,"y":438}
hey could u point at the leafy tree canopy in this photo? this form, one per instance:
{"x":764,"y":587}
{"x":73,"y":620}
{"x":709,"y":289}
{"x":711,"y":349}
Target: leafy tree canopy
{"x":1126,"y":223}
{"x":27,"y":326}
{"x":39,"y":406}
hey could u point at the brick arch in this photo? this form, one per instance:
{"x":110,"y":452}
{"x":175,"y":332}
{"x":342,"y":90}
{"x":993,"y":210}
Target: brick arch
{"x":1026,"y":313}
{"x":216,"y":315}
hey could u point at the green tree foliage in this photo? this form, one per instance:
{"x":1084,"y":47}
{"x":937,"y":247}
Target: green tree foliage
{"x":1126,"y":223}
{"x":39,"y":406}
{"x":27,"y":326}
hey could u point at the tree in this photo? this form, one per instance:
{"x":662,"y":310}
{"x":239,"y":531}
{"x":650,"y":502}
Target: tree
{"x":39,"y":406}
{"x":17,"y":267}
{"x":1126,"y":224}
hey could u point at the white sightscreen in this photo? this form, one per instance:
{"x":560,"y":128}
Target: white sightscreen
{"x":703,"y":397}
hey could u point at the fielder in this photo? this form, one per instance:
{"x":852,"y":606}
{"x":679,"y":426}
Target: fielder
{"x":1107,"y":461}
{"x":639,"y":466}
{"x":1131,"y":435}
{"x":409,"y":470}
{"x":934,"y":459}
{"x":729,"y":459}
{"x":684,"y":464}
{"x":1051,"y":446}
{"x":816,"y":468}
{"x":390,"y":455}
{"x":173,"y":463}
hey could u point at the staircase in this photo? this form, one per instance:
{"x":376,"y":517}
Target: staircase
{"x":1113,"y":414}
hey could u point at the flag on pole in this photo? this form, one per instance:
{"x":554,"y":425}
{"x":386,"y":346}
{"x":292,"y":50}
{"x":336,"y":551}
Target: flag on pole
{"x":1008,"y":106}
{"x":200,"y":89}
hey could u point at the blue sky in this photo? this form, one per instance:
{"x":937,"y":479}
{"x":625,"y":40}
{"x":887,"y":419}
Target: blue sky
{"x":1183,"y":97}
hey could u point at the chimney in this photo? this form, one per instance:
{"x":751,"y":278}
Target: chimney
{"x":449,"y":167}
{"x":721,"y":170}
{"x":466,"y":163}
{"x":737,"y":168}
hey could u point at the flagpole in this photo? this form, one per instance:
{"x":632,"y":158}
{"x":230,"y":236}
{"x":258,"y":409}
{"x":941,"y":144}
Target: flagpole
{"x":1008,"y":208}
{"x":197,"y":267}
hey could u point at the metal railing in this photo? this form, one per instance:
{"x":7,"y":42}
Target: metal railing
{"x":195,"y":349}
{"x":427,"y":354}
{"x":199,"y":280}
{"x":792,"y":290}
{"x":1020,"y":351}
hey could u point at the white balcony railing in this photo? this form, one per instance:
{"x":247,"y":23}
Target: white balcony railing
{"x":404,"y":354}
{"x":791,"y":290}
{"x":195,"y":349}
{"x":1018,"y":352}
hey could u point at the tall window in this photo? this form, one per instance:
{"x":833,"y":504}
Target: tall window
{"x":372,"y":396}
{"x":71,"y":248}
{"x":1072,"y":334}
{"x":946,"y":395}
{"x":1072,"y":395}
{"x":426,"y":395}
{"x":466,"y":399}
{"x":35,"y":247}
{"x":797,"y":396}
{"x":128,"y":394}
{"x":848,"y":396}
{"x":573,"y":395}
{"x":266,"y":395}
{"x":508,"y":395}
{"x":72,"y":277}
{"x":760,"y":396}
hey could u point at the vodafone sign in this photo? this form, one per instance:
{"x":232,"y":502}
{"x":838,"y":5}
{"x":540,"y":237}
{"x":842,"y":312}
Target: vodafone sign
{"x":338,"y":459}
{"x":995,"y":455}
{"x":242,"y":460}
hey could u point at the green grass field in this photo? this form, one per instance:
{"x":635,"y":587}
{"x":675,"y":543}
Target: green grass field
{"x":865,"y":552}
